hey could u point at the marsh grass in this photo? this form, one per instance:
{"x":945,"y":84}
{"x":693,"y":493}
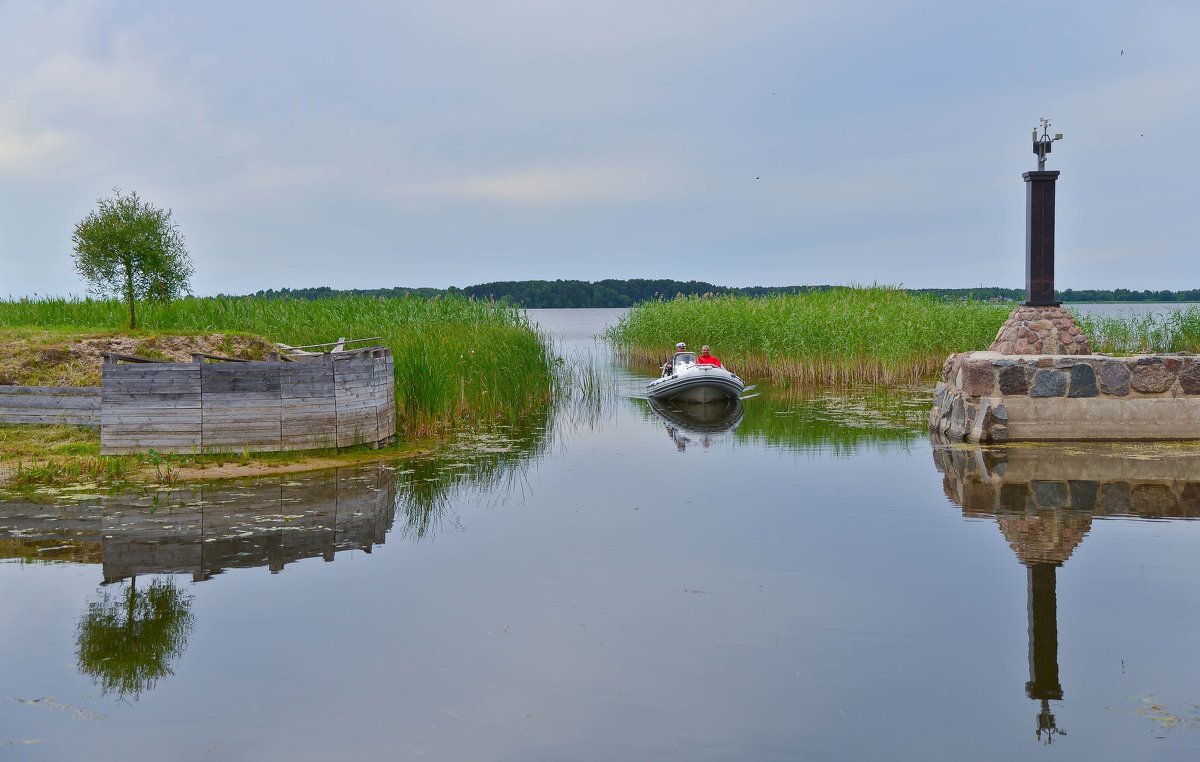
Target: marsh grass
{"x":459,"y":362}
{"x":1174,"y":331}
{"x":874,"y":335}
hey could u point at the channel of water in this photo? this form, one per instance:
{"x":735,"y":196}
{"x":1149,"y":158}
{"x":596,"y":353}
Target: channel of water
{"x":810,"y":578}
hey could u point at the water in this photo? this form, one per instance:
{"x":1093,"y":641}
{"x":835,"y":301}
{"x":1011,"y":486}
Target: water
{"x":810,"y":578}
{"x":1128,"y":309}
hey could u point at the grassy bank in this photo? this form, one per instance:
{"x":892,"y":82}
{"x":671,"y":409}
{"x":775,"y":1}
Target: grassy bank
{"x":1176,"y":331}
{"x":458,"y":362}
{"x":873,"y":335}
{"x":47,"y":459}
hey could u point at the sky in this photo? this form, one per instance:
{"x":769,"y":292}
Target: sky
{"x":376,"y":144}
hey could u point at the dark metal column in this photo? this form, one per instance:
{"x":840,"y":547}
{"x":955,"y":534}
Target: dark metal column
{"x":1039,"y":238}
{"x":1044,"y":684}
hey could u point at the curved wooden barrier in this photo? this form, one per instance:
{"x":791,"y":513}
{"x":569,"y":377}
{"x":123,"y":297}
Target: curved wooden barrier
{"x":68,"y":405}
{"x":328,"y":400}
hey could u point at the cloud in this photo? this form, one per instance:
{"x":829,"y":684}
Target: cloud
{"x":26,"y":152}
{"x":555,"y":186}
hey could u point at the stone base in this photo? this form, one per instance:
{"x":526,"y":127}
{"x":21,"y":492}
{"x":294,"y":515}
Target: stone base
{"x":990,"y":397}
{"x":1040,"y":330}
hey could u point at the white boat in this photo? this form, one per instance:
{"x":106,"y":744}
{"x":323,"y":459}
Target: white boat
{"x":697,"y":418}
{"x":697,"y":423}
{"x":689,"y":381}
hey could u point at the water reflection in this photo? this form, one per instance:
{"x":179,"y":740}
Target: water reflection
{"x":485,"y":463}
{"x":843,"y":421}
{"x":128,"y":641}
{"x":1044,"y":498}
{"x":130,"y":638}
{"x":693,"y":423}
{"x":203,"y":530}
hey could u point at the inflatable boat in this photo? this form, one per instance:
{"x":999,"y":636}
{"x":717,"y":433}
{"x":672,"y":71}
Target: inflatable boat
{"x":688,"y":381}
{"x":697,"y":418}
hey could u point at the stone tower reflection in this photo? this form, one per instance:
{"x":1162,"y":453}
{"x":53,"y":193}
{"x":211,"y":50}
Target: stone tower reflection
{"x":1044,"y":500}
{"x":1043,"y":528}
{"x":1043,"y":682}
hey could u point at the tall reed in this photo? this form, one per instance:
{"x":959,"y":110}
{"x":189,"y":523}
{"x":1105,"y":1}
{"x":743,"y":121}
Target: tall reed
{"x":1173,"y":331}
{"x":458,"y":361}
{"x":875,"y":335}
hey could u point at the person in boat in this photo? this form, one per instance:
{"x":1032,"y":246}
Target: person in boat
{"x":707,"y":358}
{"x":669,"y":366}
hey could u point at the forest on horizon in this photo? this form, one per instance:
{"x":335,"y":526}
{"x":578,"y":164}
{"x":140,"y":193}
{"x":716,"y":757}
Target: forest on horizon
{"x":543,"y":294}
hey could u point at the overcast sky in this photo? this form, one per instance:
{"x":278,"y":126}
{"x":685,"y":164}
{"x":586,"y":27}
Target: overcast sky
{"x":368,"y":144}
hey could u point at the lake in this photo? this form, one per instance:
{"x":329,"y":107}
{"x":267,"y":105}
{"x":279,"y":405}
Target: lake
{"x":797,"y":577}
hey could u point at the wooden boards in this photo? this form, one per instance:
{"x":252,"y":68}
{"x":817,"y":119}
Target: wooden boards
{"x":331,"y":400}
{"x":150,"y":406}
{"x":68,"y":405}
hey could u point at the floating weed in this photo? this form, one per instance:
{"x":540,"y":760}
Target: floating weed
{"x":1157,"y":712}
{"x":50,"y":702}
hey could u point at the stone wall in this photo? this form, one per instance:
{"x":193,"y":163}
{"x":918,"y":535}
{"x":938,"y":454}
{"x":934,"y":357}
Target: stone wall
{"x":994,"y":397}
{"x":1040,"y":330}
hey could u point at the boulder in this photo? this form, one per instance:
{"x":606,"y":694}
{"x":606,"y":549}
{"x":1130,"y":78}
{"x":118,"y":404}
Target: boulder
{"x":1114,"y":378}
{"x":1083,"y":382}
{"x":1152,"y":376}
{"x":1048,"y":382}
{"x":979,"y":379}
{"x":1189,"y":377}
{"x":1014,"y":380}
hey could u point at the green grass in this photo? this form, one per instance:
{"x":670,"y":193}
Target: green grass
{"x":875,"y":335}
{"x":459,"y":362}
{"x":1175,"y":331}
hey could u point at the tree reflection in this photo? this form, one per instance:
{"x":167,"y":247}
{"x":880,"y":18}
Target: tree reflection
{"x":128,"y":641}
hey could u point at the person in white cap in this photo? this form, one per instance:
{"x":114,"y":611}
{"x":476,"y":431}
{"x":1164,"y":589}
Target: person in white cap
{"x":669,"y":366}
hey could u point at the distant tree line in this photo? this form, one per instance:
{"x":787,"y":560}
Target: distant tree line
{"x":540,"y":294}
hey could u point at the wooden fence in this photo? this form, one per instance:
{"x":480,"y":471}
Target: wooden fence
{"x":75,"y":406}
{"x":328,"y":400}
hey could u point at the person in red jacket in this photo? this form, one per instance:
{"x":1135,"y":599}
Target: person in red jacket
{"x":707,"y":358}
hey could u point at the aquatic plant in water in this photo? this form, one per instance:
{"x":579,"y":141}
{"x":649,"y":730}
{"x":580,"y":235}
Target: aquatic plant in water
{"x":876,"y":335}
{"x":1147,"y":332}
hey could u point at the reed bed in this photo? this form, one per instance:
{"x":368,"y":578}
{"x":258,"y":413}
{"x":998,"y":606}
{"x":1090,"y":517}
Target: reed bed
{"x":872,"y":335}
{"x":459,"y":362}
{"x":1174,"y":331}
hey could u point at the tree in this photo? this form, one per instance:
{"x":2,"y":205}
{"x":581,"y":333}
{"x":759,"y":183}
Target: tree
{"x":127,"y":247}
{"x":128,"y":642}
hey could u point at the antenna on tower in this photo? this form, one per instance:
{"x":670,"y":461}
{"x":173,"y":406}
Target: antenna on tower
{"x":1043,"y":145}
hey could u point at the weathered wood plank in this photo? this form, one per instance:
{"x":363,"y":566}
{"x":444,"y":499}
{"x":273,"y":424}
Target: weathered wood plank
{"x":63,"y":419}
{"x":49,"y":403}
{"x":51,"y":391}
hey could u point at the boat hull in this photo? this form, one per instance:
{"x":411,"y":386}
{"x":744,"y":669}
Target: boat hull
{"x":701,"y":384}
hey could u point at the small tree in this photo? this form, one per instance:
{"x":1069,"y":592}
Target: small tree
{"x":127,"y":247}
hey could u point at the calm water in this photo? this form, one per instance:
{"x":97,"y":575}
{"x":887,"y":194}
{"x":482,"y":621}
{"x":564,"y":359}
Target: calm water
{"x":1131,"y":308}
{"x":791,"y":579}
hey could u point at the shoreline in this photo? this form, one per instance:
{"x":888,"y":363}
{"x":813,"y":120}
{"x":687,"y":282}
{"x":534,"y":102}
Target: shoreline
{"x":84,"y":463}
